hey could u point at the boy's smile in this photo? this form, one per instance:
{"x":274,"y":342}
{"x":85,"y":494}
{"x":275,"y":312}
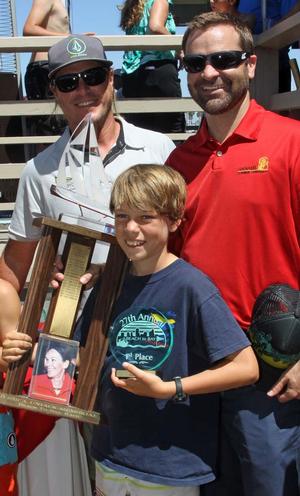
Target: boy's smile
{"x":143,"y":236}
{"x":133,"y":244}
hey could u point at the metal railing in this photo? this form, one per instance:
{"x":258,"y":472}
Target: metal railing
{"x":264,"y":89}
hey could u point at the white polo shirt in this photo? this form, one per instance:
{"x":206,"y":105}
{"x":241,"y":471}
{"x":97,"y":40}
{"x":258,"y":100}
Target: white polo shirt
{"x":134,"y":146}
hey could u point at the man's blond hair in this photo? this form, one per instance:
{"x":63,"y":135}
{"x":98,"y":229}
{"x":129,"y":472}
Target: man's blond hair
{"x":150,"y":186}
{"x":208,"y":20}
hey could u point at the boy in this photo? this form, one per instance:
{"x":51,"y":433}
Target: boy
{"x":158,"y":434}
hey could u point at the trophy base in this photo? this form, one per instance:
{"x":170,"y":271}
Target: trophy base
{"x":48,"y":408}
{"x":124,"y":374}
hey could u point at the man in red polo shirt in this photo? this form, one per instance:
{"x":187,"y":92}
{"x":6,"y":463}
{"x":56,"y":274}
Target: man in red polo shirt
{"x":242,"y":228}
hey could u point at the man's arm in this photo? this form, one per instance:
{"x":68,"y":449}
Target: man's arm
{"x":10,"y":309}
{"x":288,"y":386}
{"x":15,"y":262}
{"x":37,"y":18}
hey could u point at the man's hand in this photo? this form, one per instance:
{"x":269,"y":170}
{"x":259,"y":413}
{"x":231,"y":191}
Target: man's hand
{"x":88,"y":279}
{"x":288,"y":385}
{"x":57,"y":274}
{"x":15,"y":345}
{"x":144,"y":383}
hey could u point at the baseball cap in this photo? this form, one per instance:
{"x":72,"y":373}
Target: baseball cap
{"x":275,"y":330}
{"x":76,"y":48}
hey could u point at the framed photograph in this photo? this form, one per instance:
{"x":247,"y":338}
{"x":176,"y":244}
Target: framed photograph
{"x":54,"y":367}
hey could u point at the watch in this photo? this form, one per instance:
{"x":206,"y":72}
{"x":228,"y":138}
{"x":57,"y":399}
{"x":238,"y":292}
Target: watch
{"x":179,"y":395}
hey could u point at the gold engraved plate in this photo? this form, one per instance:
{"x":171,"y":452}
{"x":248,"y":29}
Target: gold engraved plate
{"x":67,"y":411}
{"x":69,"y":294}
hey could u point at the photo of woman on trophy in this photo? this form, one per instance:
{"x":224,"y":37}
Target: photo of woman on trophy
{"x":54,"y":368}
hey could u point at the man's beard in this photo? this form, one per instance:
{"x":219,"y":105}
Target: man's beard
{"x":220,"y":105}
{"x":100,"y":120}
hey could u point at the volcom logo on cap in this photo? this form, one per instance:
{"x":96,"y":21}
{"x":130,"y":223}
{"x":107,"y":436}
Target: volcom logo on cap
{"x":76,"y":48}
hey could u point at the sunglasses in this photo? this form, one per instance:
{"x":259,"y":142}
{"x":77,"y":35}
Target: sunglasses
{"x":91,"y":77}
{"x":219,"y":60}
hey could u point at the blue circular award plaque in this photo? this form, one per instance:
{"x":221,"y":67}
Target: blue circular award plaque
{"x":143,"y":337}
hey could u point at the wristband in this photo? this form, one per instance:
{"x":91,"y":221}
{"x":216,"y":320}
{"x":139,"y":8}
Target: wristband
{"x":179,"y":395}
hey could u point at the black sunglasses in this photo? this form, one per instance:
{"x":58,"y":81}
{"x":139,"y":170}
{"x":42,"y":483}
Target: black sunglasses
{"x":219,"y":60}
{"x":91,"y":77}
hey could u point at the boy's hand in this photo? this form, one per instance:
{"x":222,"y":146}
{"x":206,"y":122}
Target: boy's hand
{"x":15,"y":345}
{"x":144,"y":383}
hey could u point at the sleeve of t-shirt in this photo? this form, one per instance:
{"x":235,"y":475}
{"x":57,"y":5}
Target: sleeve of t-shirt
{"x":217,"y":333}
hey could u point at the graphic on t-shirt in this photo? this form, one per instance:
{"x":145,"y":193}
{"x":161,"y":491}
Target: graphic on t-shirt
{"x":143,"y":337}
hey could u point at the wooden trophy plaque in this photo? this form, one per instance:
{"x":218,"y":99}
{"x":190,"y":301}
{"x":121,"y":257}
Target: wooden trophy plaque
{"x":60,"y":322}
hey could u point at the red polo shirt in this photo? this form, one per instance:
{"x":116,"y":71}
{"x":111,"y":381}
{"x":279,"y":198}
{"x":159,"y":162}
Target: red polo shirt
{"x":242,"y":216}
{"x":43,"y":389}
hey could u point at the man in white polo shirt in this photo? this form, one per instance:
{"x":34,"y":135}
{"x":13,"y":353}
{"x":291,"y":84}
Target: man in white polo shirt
{"x":82,"y":84}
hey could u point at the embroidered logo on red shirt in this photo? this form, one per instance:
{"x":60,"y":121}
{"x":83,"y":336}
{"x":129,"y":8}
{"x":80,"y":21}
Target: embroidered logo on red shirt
{"x":262,"y":166}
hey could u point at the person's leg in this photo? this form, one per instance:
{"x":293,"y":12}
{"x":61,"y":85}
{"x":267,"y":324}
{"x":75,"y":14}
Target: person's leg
{"x":161,"y":80}
{"x":284,"y":70}
{"x":112,"y":483}
{"x":155,"y":80}
{"x":36,"y":81}
{"x":265,"y":436}
{"x":131,"y":89}
{"x":38,"y":88}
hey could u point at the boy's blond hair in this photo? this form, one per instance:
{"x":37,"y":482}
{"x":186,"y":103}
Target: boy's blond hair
{"x":145,"y":186}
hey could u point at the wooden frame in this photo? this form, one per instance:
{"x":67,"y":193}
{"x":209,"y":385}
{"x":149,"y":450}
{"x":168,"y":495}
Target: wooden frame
{"x":93,"y":353}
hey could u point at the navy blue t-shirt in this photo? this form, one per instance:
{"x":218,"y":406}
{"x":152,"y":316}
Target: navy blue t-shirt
{"x":188,"y":327}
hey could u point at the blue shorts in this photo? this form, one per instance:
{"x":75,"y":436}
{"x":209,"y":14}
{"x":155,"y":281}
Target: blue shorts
{"x":260,"y":446}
